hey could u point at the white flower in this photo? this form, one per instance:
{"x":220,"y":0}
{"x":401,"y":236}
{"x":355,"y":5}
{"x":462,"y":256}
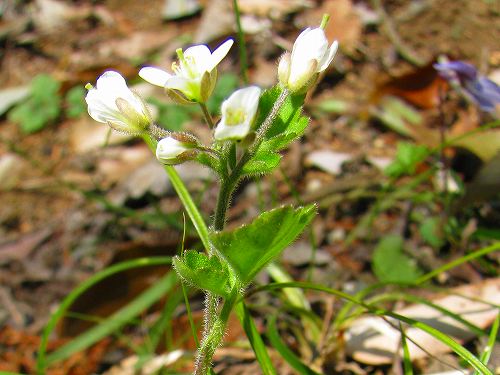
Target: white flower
{"x":112,"y":102}
{"x":195,"y":73}
{"x":176,"y":148}
{"x":310,"y":56}
{"x":238,"y":113}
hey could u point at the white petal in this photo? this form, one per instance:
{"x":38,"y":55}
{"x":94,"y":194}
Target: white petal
{"x":227,"y":132}
{"x":179,"y":83}
{"x":169,"y":148}
{"x":219,"y":53}
{"x":111,"y":81}
{"x":328,"y":58}
{"x":198,"y":57}
{"x":154,"y":76}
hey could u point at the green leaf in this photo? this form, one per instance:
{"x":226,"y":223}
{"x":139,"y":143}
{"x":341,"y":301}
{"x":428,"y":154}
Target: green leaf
{"x":408,"y":157}
{"x":288,"y":125}
{"x":75,"y":102}
{"x":204,"y":273}
{"x":391,"y":264}
{"x":41,"y":108}
{"x":262,"y":163}
{"x":250,"y":248}
{"x":432,"y":232}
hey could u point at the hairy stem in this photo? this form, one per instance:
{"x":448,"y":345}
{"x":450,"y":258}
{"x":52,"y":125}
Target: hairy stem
{"x":212,"y":339}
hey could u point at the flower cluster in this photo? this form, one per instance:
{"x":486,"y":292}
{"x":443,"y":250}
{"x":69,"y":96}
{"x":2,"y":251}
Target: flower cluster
{"x":193,"y":80}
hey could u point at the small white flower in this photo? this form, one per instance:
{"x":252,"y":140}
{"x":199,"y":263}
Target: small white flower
{"x":238,"y":113}
{"x":112,"y":102}
{"x":195,"y":73}
{"x":310,"y":56}
{"x":176,"y":148}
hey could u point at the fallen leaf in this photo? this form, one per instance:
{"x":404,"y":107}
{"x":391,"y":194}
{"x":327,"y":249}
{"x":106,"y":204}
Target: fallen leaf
{"x":275,"y":9}
{"x":372,"y":340}
{"x":174,"y":9}
{"x":328,"y":160}
{"x":13,"y":95}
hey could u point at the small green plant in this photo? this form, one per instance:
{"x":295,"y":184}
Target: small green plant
{"x":42,"y":108}
{"x":254,"y":126}
{"x":75,"y":102}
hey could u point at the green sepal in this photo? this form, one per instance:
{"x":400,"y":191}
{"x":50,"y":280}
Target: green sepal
{"x":202,"y":272}
{"x":249,"y":248}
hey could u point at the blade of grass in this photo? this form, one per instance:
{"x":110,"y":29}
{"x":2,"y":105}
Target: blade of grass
{"x":117,"y":320}
{"x":485,"y":356}
{"x":448,"y":341}
{"x":75,"y":293}
{"x":255,"y":340}
{"x":459,"y":261}
{"x":407,"y":367}
{"x":285,"y":352}
{"x":162,"y":323}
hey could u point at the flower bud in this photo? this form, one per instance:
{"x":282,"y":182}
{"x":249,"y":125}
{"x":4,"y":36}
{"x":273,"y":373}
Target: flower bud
{"x":112,"y":102}
{"x":238,"y":114}
{"x":310,"y":56}
{"x":177,"y":148}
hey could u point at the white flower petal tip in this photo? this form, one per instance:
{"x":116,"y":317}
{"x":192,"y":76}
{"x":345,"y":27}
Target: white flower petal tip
{"x":238,"y":114}
{"x":172,"y":151}
{"x":154,"y":76}
{"x":310,"y":56}
{"x":194,"y":74}
{"x":112,"y":102}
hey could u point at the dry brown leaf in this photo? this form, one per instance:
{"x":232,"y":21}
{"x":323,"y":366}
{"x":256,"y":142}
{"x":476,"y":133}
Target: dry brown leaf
{"x":275,"y":9}
{"x":373,"y":341}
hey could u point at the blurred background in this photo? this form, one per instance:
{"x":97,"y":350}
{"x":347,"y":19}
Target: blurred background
{"x":393,"y":204}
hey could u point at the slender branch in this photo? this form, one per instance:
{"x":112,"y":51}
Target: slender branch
{"x":186,"y":199}
{"x":241,"y":43}
{"x":206,"y":114}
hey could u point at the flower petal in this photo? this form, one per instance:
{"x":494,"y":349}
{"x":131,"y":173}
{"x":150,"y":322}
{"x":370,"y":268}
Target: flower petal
{"x":154,"y":76}
{"x":198,"y":57}
{"x":328,"y":58}
{"x":231,"y":132}
{"x":219,"y":53}
{"x":179,"y":83}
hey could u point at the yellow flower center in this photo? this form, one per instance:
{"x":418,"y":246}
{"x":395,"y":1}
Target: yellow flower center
{"x":235,"y":116}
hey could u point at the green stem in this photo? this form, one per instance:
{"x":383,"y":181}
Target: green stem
{"x":222,"y":205}
{"x":206,"y":114}
{"x":213,"y":338}
{"x":185,"y":198}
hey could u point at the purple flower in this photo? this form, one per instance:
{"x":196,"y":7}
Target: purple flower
{"x":480,"y":89}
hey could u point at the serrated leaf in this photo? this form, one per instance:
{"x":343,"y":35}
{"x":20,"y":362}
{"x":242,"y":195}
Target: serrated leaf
{"x":250,"y":248}
{"x":204,"y":273}
{"x":262,"y":163}
{"x":391,"y":264}
{"x":288,"y":124}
